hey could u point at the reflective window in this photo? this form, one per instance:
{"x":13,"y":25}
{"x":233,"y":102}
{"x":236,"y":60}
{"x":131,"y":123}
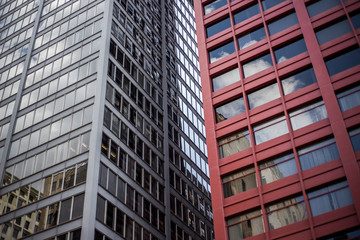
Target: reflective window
{"x":298,"y":81}
{"x":270,"y":129}
{"x":257,"y":65}
{"x":267,"y":4}
{"x":308,"y":115}
{"x":277,"y":168}
{"x":344,"y":61}
{"x":263,"y":95}
{"x":355,"y":19}
{"x":229,"y":109}
{"x":234,"y":143}
{"x":321,"y":6}
{"x":355,"y":139}
{"x":214,"y":5}
{"x":331,"y":32}
{"x":246,"y":13}
{"x":218,"y":27}
{"x":251,"y":38}
{"x":290,"y":50}
{"x":245,"y":225}
{"x":225,"y":79}
{"x":221,"y":52}
{"x":239,"y":182}
{"x":330,"y":198}
{"x":282,"y":23}
{"x":349,"y":98}
{"x":286,"y":212}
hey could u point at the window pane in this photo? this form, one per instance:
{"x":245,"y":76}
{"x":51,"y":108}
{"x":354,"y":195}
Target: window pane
{"x":289,"y":51}
{"x":271,"y":129}
{"x":249,"y":224}
{"x":355,"y":19}
{"x":308,"y":115}
{"x":65,"y":211}
{"x":333,"y":31}
{"x":257,"y":65}
{"x":239,"y":182}
{"x":251,"y":38}
{"x":321,"y":6}
{"x":218,"y":27}
{"x":343,"y":62}
{"x":221,"y":52}
{"x":355,"y":139}
{"x":263,"y":95}
{"x":225,"y":79}
{"x":282,"y":23}
{"x":234,"y":143}
{"x":349,"y":98}
{"x":267,"y":4}
{"x":229,"y":109}
{"x":246,"y":13}
{"x":214,"y":5}
{"x":78,"y":206}
{"x":298,"y":81}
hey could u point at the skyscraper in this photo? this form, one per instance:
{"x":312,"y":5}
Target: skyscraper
{"x":280,"y":83}
{"x":101,"y":121}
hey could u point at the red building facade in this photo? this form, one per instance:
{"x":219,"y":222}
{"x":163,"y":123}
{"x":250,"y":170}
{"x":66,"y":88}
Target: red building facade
{"x":281,"y":93}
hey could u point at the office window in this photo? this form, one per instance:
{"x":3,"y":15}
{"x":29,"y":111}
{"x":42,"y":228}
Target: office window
{"x":251,"y":38}
{"x":298,"y":81}
{"x":321,"y":6}
{"x":263,"y":95}
{"x":270,"y":129}
{"x":234,"y":143}
{"x":229,"y":109}
{"x":355,"y":138}
{"x":355,"y":19}
{"x":239,"y":182}
{"x":218,"y":27}
{"x":318,"y":153}
{"x":246,"y":13}
{"x":245,"y":225}
{"x":286,"y":212}
{"x":277,"y":168}
{"x":330,"y":198}
{"x":267,"y":4}
{"x":221,"y":52}
{"x":349,"y":99}
{"x":213,"y":6}
{"x":344,"y":61}
{"x":282,"y":23}
{"x":257,"y":65}
{"x":225,"y":79}
{"x":291,"y":50}
{"x":307,"y":115}
{"x":333,"y":31}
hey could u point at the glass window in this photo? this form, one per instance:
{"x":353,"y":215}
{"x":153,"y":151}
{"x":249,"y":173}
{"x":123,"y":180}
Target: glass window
{"x":246,"y":13}
{"x":218,"y":27}
{"x":308,"y":115}
{"x":257,"y":65}
{"x":65,"y":211}
{"x":267,"y":4}
{"x":239,"y":182}
{"x":333,"y":31}
{"x":225,"y":79}
{"x":277,"y":168}
{"x":263,"y":95}
{"x":330,"y":198}
{"x":221,"y":52}
{"x":282,"y":23}
{"x":234,"y":143}
{"x":317,"y":154}
{"x":355,"y":139}
{"x":355,"y":19}
{"x":298,"y":81}
{"x":344,"y":61}
{"x":349,"y":98}
{"x":245,"y":225}
{"x":290,"y":50}
{"x":286,"y":212}
{"x":270,"y":129}
{"x":214,"y":5}
{"x":229,"y":109}
{"x":251,"y":38}
{"x":321,"y":6}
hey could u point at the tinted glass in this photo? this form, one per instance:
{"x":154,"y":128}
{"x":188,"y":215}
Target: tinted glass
{"x":333,"y":31}
{"x":308,"y":115}
{"x":229,"y":109}
{"x":263,"y":95}
{"x":349,"y":99}
{"x":251,"y":38}
{"x":343,"y":62}
{"x":266,"y":4}
{"x":321,"y":6}
{"x":234,"y":143}
{"x":298,"y":81}
{"x":355,"y":19}
{"x":270,"y":130}
{"x":221,"y":52}
{"x":355,"y":139}
{"x":282,"y":23}
{"x":257,"y":65}
{"x":218,"y":27}
{"x":246,"y":13}
{"x":289,"y":51}
{"x":225,"y":79}
{"x":214,"y":5}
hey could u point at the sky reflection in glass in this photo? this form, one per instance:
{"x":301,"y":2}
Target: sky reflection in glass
{"x":221,"y":52}
{"x":251,"y":38}
{"x":298,"y":81}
